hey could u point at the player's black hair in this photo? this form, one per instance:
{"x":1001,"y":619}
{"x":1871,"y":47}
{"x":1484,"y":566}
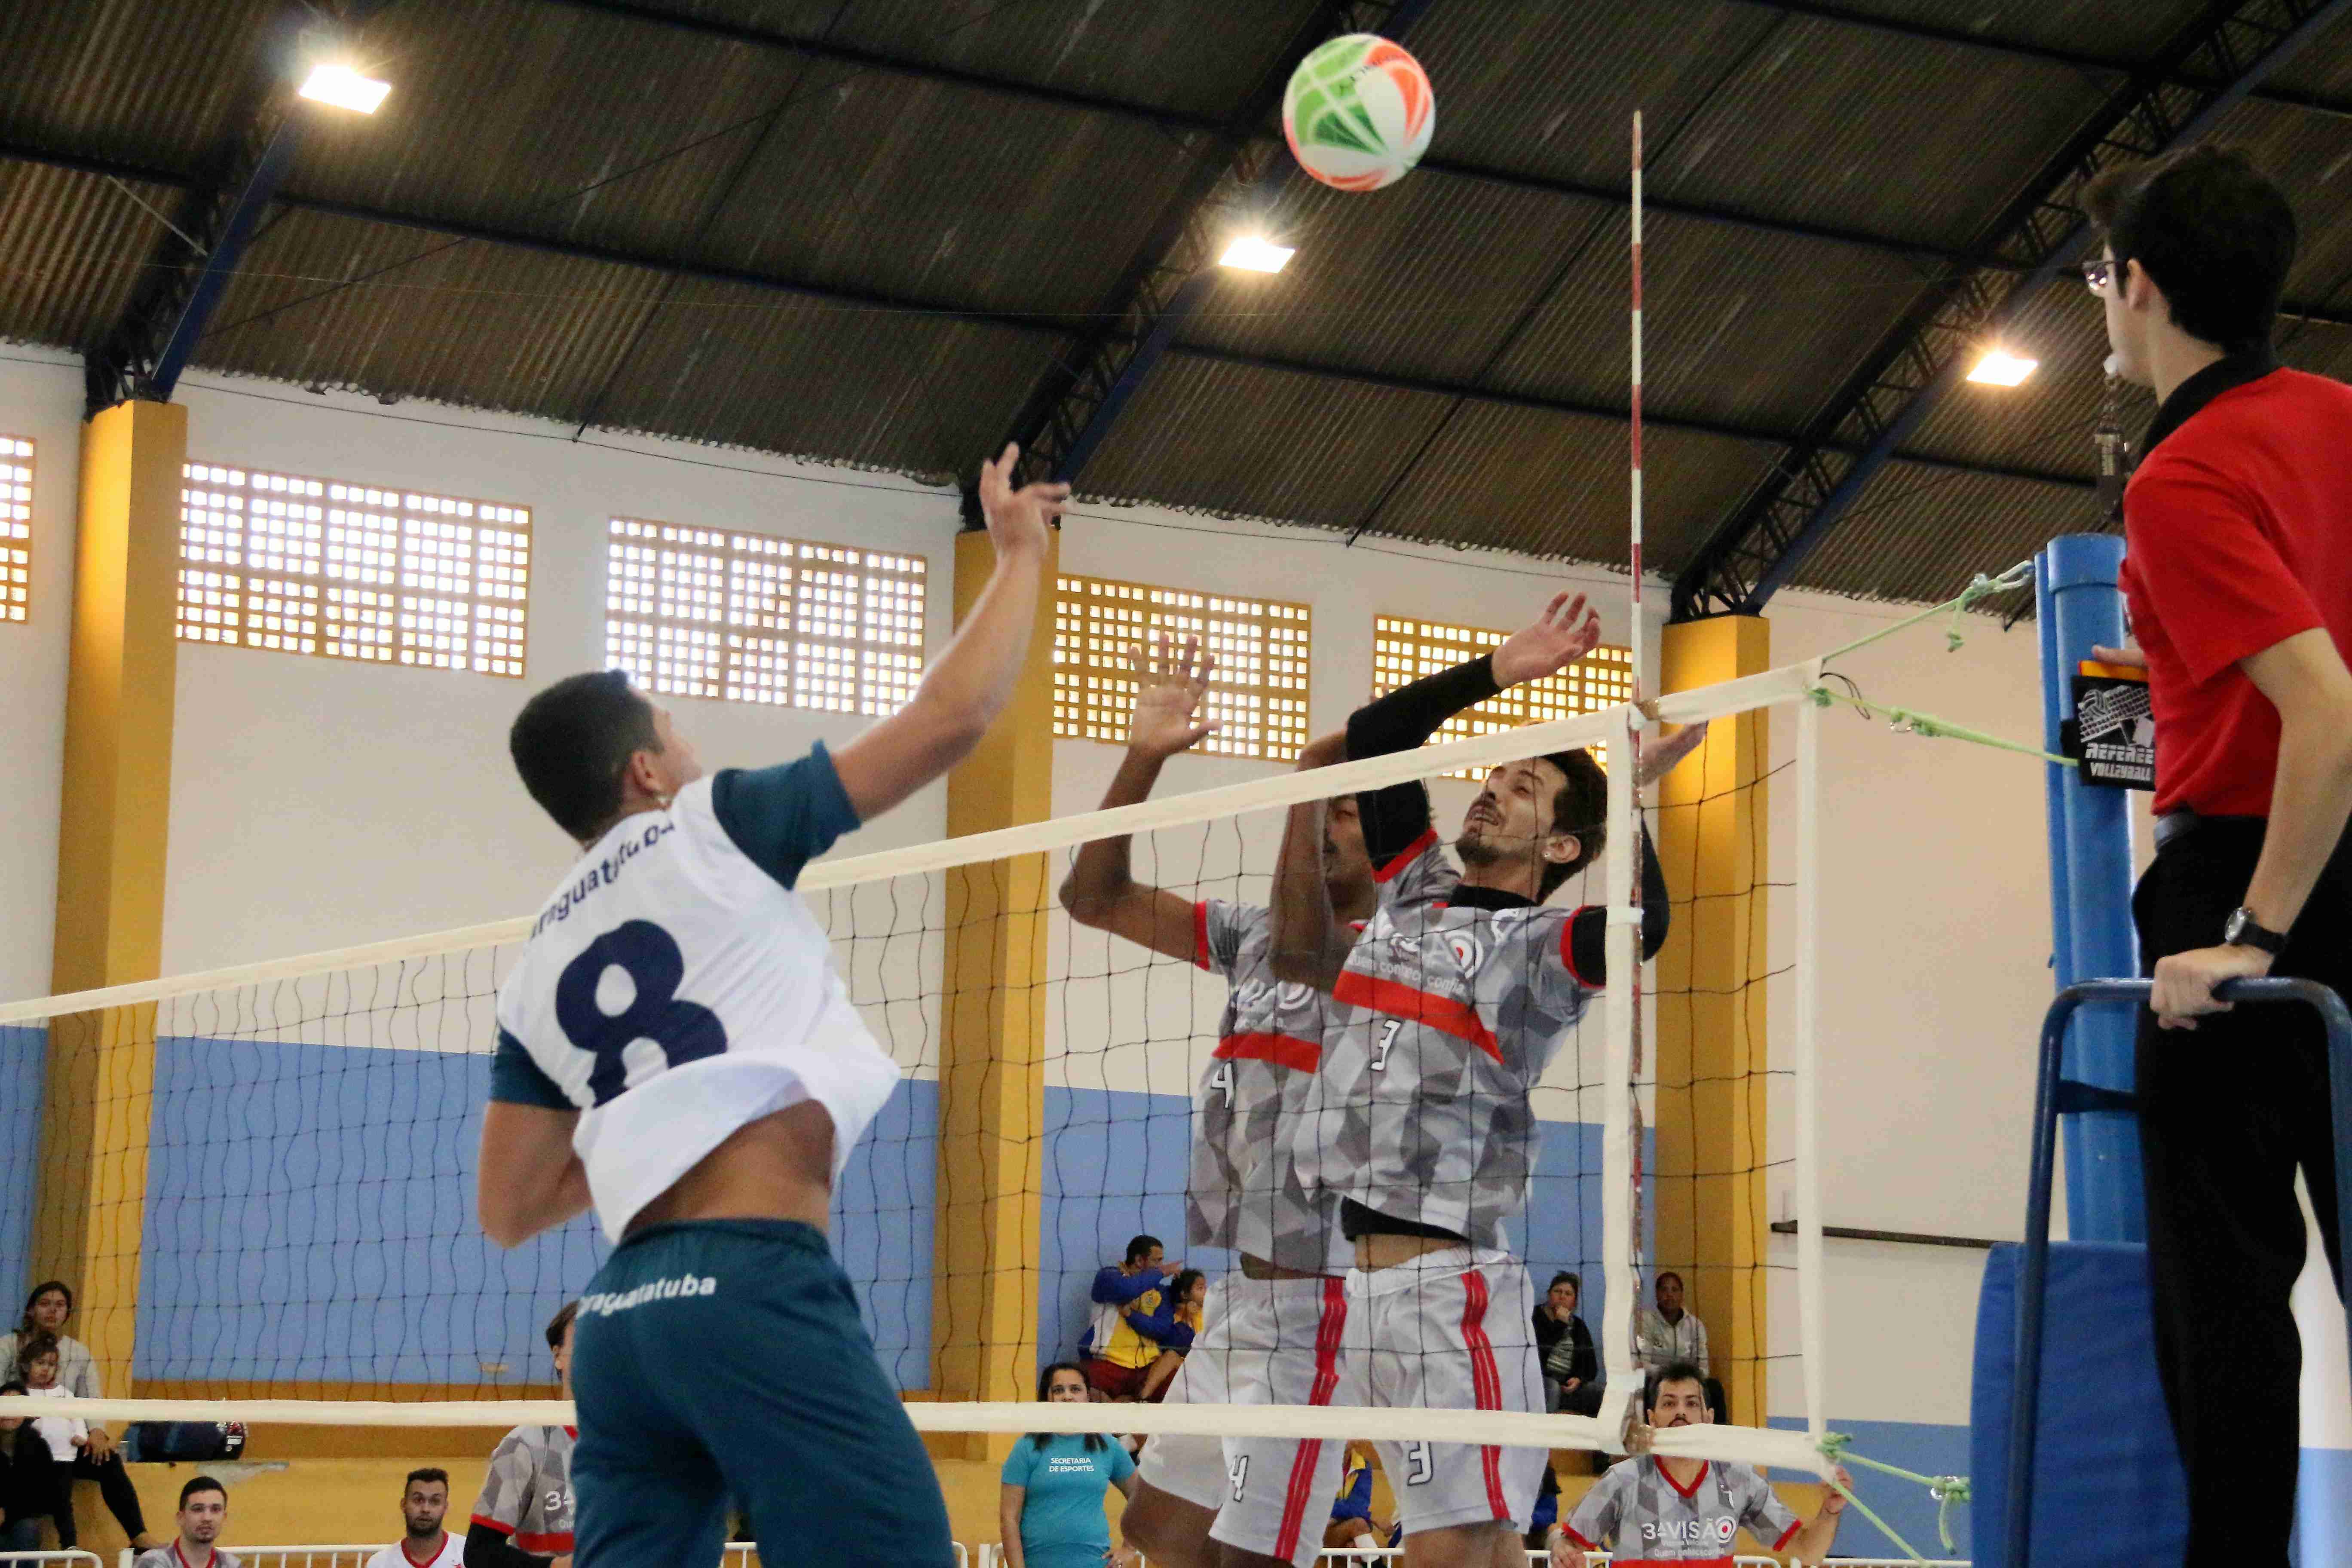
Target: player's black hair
{"x":12,"y":1386}
{"x":1673,"y":1372}
{"x":1140,"y":1247}
{"x":1045,"y":1381}
{"x":428,"y":1475}
{"x":2213,"y":231}
{"x":573,"y":741}
{"x":1582,"y":807}
{"x":561,"y":1322}
{"x":202,"y":1484}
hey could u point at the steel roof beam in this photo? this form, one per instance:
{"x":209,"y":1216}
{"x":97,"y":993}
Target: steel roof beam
{"x":1759,"y":548}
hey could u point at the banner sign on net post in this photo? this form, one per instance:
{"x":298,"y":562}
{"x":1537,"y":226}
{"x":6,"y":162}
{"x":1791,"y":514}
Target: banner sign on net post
{"x":2113,"y":732}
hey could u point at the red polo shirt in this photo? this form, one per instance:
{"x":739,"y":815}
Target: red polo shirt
{"x":2238,"y":535}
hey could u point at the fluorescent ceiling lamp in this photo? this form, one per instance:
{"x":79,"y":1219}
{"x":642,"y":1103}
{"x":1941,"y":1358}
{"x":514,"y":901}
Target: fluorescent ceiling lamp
{"x":2001,"y":368}
{"x":345,"y":88}
{"x":1254,"y":254}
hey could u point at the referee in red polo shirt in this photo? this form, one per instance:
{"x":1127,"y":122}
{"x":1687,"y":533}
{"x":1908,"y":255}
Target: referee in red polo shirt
{"x":2238,"y":574}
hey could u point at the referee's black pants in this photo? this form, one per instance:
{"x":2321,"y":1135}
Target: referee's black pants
{"x":2228,"y":1111}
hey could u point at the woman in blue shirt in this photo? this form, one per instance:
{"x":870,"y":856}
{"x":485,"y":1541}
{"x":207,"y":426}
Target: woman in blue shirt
{"x":1052,"y":1502}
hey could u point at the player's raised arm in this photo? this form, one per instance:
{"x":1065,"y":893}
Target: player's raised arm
{"x":1101,"y":890}
{"x":1308,"y":942}
{"x":963,"y":693}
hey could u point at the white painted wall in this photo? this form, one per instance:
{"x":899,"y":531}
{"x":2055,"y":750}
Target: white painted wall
{"x":317,"y":804}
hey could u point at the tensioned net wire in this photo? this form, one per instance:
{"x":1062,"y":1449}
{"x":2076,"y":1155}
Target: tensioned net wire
{"x":272,"y":1169}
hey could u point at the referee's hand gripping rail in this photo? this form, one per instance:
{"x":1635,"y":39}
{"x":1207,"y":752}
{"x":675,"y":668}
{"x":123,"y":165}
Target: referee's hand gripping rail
{"x":2055,"y":1096}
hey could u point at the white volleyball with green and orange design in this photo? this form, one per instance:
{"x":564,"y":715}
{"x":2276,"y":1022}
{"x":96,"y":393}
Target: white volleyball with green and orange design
{"x":1357,"y":113}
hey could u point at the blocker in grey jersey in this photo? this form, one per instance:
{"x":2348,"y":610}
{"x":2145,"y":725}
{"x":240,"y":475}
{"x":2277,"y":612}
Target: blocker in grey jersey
{"x":1638,"y":1512}
{"x":1244,"y":1192}
{"x":1444,"y":1020}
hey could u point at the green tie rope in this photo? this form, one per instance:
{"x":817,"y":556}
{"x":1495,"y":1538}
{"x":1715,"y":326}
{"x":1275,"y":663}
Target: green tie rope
{"x":1838,"y":1449}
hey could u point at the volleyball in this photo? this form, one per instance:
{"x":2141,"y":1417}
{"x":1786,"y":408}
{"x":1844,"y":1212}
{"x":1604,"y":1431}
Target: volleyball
{"x":1357,"y":113}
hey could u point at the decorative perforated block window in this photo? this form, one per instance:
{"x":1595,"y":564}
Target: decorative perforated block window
{"x":1406,"y":650}
{"x":1258,"y":690}
{"x":318,"y":566}
{"x":747,"y":617}
{"x":15,"y":528}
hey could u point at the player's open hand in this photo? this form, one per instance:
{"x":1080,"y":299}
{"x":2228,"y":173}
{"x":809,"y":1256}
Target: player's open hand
{"x":1172,"y":682}
{"x":1565,"y":1553}
{"x":1567,"y":629}
{"x":1017,"y":519}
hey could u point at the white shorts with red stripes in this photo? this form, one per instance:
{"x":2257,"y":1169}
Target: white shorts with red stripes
{"x":1262,"y":1342}
{"x":1450,"y":1330}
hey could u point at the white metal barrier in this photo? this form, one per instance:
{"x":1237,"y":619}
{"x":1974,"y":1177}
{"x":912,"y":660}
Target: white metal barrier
{"x":9,"y":1558}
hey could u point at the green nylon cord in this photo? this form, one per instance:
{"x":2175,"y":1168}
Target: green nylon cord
{"x":1838,"y":1449}
{"x":1982,"y":588}
{"x":1912,"y":721}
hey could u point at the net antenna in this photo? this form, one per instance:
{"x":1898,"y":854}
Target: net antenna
{"x":1622,"y":1165}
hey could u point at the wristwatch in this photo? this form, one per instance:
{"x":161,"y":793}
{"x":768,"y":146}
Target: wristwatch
{"x":2243,"y":930}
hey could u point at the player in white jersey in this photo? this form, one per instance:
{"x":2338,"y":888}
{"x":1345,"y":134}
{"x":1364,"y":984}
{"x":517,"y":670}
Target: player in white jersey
{"x":1652,"y":1511}
{"x":1270,"y":1332}
{"x":1446,"y":1011}
{"x":676,"y":1049}
{"x":426,"y":1542}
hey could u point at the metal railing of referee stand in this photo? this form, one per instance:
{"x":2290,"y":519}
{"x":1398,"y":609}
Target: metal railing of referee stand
{"x":2055,"y":1095}
{"x":9,"y":1558}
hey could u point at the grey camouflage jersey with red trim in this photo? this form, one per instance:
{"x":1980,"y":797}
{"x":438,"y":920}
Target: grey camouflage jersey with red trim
{"x":1639,"y":1514}
{"x":1244,"y":1192}
{"x":1442,"y":1022}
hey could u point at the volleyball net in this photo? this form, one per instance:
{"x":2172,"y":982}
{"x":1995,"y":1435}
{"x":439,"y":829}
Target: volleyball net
{"x":259,"y":1182}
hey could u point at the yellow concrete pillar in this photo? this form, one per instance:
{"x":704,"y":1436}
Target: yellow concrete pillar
{"x":111,"y":847}
{"x":1712,"y":1038}
{"x":992,"y":1045}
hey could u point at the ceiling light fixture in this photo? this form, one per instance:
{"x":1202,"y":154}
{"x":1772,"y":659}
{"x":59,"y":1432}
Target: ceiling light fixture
{"x":1254,"y":253}
{"x":345,"y":88}
{"x":2001,"y":368}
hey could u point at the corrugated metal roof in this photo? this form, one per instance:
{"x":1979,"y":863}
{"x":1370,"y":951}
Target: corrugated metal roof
{"x":72,"y":245}
{"x":1192,"y":58}
{"x":121,"y":78}
{"x":2324,"y":67}
{"x":1556,"y":484}
{"x":1425,"y":279}
{"x":943,"y":236}
{"x":1887,"y":134}
{"x":1711,"y":297}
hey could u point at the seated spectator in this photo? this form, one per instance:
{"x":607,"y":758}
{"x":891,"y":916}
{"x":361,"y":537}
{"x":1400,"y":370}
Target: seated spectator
{"x":424,"y":1504}
{"x":1668,"y":1334}
{"x":37,"y":1361}
{"x":1050,"y":1498}
{"x":1117,"y":1356}
{"x":27,"y":1486}
{"x":1571,"y":1367}
{"x":523,"y":1518}
{"x":1352,"y":1526}
{"x":46,"y":1309}
{"x":203,"y":1511}
{"x":1173,"y":1326}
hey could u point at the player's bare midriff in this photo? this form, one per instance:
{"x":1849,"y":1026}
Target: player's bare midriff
{"x":1383,"y":1251}
{"x":779,"y":1167}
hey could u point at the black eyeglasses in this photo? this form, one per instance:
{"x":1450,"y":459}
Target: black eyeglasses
{"x":2098,"y":271}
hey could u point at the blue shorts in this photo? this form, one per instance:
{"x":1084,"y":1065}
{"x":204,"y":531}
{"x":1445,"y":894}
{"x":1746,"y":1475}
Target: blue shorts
{"x":724,"y":1359}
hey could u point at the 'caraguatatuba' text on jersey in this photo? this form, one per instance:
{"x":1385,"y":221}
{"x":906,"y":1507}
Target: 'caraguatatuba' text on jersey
{"x":1245,"y":1191}
{"x":675,"y":987}
{"x":1449,"y":1008}
{"x":1639,"y":1513}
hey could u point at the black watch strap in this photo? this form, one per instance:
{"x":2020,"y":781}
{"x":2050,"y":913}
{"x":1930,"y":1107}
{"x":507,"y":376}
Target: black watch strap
{"x":2243,"y":930}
